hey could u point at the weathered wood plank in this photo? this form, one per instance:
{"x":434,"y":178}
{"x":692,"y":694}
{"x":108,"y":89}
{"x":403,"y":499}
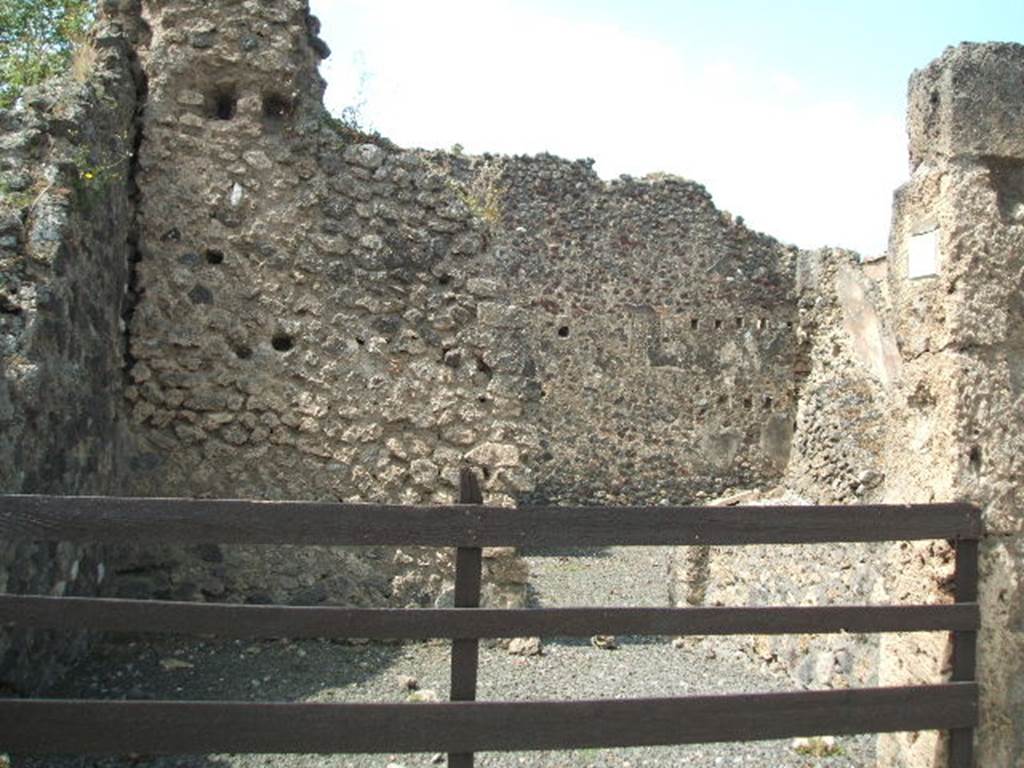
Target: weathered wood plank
{"x":466,"y":651}
{"x":311,"y":523}
{"x":965,"y":648}
{"x":966,"y":591}
{"x":56,"y":727}
{"x":264,"y":621}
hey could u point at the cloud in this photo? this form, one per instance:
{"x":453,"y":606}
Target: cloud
{"x":499,"y":76}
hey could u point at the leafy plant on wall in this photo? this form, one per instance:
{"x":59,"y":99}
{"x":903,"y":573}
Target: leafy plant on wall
{"x":39,"y":39}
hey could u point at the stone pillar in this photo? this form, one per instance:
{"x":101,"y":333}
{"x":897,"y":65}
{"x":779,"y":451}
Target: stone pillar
{"x":956,"y":278}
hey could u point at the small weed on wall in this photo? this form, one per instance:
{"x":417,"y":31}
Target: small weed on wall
{"x":94,"y":176}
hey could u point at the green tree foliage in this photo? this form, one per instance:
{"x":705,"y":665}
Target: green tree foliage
{"x":37,"y":39}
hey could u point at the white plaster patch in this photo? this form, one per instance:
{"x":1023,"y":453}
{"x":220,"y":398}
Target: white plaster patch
{"x":923,"y":254}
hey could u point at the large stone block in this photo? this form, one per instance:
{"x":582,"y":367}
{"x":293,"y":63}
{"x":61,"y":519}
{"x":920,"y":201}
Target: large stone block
{"x":968,"y":103}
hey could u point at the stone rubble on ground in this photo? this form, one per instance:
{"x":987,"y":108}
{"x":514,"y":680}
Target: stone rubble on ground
{"x":525,"y":646}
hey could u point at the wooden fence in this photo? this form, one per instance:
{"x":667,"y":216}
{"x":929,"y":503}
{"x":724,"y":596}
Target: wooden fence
{"x":463,"y":726}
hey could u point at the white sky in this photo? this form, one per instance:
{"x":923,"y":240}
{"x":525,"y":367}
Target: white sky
{"x":497,"y":76}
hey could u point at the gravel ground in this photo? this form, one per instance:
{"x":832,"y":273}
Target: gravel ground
{"x":176,"y":668}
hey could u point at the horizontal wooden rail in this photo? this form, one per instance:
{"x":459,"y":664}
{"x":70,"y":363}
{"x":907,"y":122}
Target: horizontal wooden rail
{"x":94,"y":727}
{"x":277,"y":621}
{"x":464,"y":727}
{"x":198,"y":521}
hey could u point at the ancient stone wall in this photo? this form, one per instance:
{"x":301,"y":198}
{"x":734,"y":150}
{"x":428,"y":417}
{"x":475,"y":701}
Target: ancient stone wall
{"x":842,"y":429}
{"x":875,"y":425}
{"x":912,"y":395}
{"x":924,"y":358}
{"x":305,"y":302}
{"x":324,"y":315}
{"x":838,"y":456}
{"x":66,"y":225}
{"x":213,"y":288}
{"x":655,"y":334}
{"x":310,"y":299}
{"x":956,"y":278}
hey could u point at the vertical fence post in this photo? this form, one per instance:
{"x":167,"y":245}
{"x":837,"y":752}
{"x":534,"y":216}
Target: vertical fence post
{"x":961,"y":740}
{"x":465,"y":651}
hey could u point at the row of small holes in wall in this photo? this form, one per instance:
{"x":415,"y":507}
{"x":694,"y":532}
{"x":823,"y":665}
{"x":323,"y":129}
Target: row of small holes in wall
{"x":701,"y":412}
{"x":748,"y":402}
{"x":767,"y":402}
{"x":739,"y":322}
{"x":222,"y":104}
{"x":762,"y":324}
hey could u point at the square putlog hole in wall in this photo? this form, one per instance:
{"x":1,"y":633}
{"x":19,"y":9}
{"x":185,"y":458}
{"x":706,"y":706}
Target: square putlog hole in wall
{"x":221,"y":102}
{"x":282,"y":342}
{"x":276,"y":109}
